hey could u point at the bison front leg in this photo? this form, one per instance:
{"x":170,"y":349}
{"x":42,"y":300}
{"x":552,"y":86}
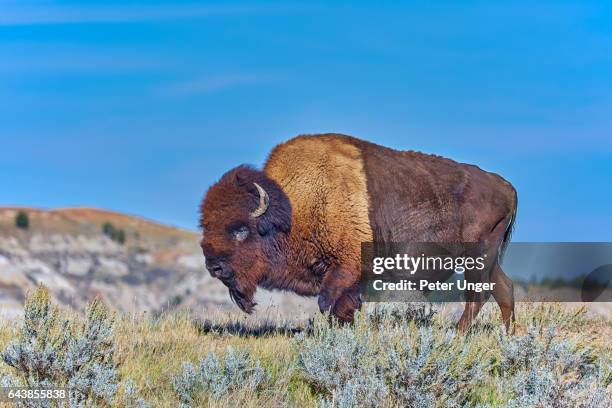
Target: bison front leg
{"x":340,"y":295}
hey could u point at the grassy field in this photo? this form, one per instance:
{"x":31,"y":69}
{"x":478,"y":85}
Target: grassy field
{"x":394,"y":356}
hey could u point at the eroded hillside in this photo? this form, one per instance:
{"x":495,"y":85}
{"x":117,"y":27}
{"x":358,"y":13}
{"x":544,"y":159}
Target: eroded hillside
{"x":133,"y":263}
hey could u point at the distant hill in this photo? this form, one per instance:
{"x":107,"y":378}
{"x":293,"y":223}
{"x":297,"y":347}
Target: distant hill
{"x":133,"y":263}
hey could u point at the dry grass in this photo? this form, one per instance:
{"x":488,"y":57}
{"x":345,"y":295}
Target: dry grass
{"x":150,"y":350}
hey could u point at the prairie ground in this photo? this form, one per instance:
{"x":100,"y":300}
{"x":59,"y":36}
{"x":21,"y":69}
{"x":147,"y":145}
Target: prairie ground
{"x":308,"y":364}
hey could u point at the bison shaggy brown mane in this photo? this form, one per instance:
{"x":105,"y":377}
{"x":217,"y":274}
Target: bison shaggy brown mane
{"x":298,"y":225}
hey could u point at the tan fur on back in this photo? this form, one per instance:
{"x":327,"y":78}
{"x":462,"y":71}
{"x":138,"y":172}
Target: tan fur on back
{"x":323,"y":176}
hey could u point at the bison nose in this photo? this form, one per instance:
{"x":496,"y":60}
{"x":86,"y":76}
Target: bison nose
{"x":217,"y":269}
{"x":213,"y":266}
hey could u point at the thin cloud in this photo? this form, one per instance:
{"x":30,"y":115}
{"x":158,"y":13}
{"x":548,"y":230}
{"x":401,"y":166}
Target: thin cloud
{"x":17,"y":15}
{"x":216,"y":83}
{"x":83,"y":63}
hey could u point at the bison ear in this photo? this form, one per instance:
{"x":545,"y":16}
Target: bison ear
{"x":277,"y":218}
{"x":267,"y":226}
{"x":264,"y":227}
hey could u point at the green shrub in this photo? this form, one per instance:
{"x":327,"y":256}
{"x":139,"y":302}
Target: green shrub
{"x":543,"y":371}
{"x":53,"y":351}
{"x":120,"y":236}
{"x":116,"y":234}
{"x":108,"y":229}
{"x":421,"y":313}
{"x":397,"y":358}
{"x":22,"y":220}
{"x":215,"y":378}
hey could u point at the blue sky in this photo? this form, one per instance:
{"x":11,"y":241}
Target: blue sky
{"x":139,"y":107}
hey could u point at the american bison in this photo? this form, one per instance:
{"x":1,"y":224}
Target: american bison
{"x":298,"y":225}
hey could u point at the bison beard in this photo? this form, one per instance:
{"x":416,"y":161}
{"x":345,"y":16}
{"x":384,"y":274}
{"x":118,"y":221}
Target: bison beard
{"x":244,"y":303}
{"x":298,"y":225}
{"x":240,"y":294}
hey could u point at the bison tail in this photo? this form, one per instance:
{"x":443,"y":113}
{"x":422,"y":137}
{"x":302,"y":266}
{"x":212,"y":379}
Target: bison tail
{"x":509,"y":228}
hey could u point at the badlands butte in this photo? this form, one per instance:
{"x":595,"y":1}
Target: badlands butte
{"x":79,"y":253}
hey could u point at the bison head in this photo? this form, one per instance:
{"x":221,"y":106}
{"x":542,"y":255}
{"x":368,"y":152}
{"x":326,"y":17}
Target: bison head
{"x":243,"y":217}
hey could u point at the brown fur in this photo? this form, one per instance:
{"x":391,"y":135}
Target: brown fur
{"x":329,"y":193}
{"x":329,"y":198}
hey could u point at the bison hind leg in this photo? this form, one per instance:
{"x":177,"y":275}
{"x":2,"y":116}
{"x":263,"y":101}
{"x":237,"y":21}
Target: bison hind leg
{"x":503,"y":293}
{"x":471,"y":310}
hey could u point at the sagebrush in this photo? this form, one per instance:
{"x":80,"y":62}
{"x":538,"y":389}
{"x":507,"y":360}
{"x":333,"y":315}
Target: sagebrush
{"x":53,"y":351}
{"x":392,"y":356}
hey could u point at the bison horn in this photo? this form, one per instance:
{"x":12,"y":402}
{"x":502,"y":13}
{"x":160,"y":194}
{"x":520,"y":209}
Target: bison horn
{"x":264,"y":202}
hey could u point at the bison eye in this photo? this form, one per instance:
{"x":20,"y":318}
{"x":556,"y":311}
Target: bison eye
{"x":241,"y":233}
